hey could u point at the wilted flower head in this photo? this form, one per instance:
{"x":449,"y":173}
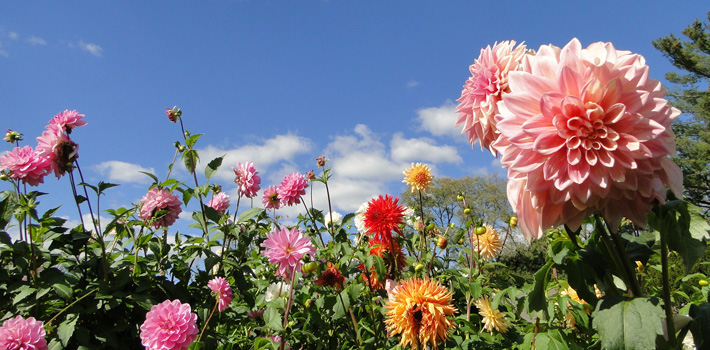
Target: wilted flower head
{"x":492,"y":318}
{"x":276,"y":290}
{"x":489,"y":243}
{"x":286,"y":248}
{"x":321,"y":161}
{"x":26,"y":165}
{"x":487,"y":84}
{"x":220,"y":286}
{"x":12,"y":136}
{"x":585,"y":130}
{"x":331,"y":277}
{"x":66,"y":121}
{"x":337,"y":218}
{"x":271,"y":198}
{"x":161,"y":206}
{"x":219,"y":202}
{"x":56,"y":146}
{"x":19,"y":333}
{"x":418,"y":177}
{"x":169,"y":325}
{"x":310,"y":175}
{"x":256,"y":313}
{"x":247,"y":179}
{"x":292,"y":188}
{"x":417,"y":312}
{"x":384,"y":215}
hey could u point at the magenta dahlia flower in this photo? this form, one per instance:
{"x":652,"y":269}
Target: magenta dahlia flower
{"x":219,"y":202}
{"x":58,"y":148}
{"x":486,"y":86}
{"x":286,"y":248}
{"x":66,"y":121}
{"x":271,"y":198}
{"x":220,"y":286}
{"x":583,"y":130}
{"x":26,"y":165}
{"x":169,"y":325}
{"x":19,"y":333}
{"x":247,"y":179}
{"x":160,"y":206}
{"x":292,"y":188}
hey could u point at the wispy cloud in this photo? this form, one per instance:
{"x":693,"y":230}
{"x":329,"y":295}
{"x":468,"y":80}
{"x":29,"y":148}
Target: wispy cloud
{"x":422,"y":150}
{"x":123,"y":172}
{"x":35,"y":40}
{"x":412,"y":84}
{"x":12,"y":35}
{"x":439,"y":121}
{"x":93,"y":49}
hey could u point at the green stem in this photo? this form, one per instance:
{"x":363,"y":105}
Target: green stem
{"x":208,"y":320}
{"x":49,"y":323}
{"x":288,"y":303}
{"x":670,"y":327}
{"x":356,"y":332}
{"x":615,"y":248}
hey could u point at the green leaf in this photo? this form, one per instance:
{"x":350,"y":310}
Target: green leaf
{"x":538,"y":296}
{"x":190,"y":141}
{"x":24,"y":292}
{"x":66,"y":329}
{"x":105,"y":185}
{"x":698,"y":227}
{"x":272,"y":318}
{"x":552,"y":339}
{"x":628,"y":324}
{"x":190,"y":158}
{"x":248,"y":214}
{"x":700,"y":327}
{"x":338,"y":310}
{"x":63,"y":290}
{"x":213,"y":166}
{"x":380,"y":268}
{"x":155,"y":178}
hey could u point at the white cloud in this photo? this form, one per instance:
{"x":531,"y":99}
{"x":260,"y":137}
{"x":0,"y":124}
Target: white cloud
{"x":439,"y":121}
{"x":280,"y":148}
{"x":93,"y":49}
{"x":35,"y":40}
{"x":412,"y":84}
{"x":12,"y":35}
{"x":124,"y":172}
{"x":422,"y":150}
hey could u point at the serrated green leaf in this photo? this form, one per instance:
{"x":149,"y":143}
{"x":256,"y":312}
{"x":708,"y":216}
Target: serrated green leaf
{"x":700,"y":327}
{"x":190,"y":141}
{"x":629,"y":324}
{"x":105,"y":185}
{"x":63,"y":290}
{"x":380,"y":268}
{"x":538,"y":296}
{"x":24,"y":292}
{"x":190,"y":158}
{"x":338,"y":310}
{"x":698,"y":227}
{"x":272,"y":318}
{"x":248,"y":214}
{"x":213,"y":166}
{"x":552,"y":340}
{"x":66,"y":329}
{"x":155,"y":178}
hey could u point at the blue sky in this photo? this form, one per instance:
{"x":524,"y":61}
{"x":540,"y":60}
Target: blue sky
{"x":371,"y":85}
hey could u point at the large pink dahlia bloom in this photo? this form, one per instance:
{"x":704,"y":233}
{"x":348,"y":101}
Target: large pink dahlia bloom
{"x":482,"y":91}
{"x":66,"y":121}
{"x":19,"y":333}
{"x":585,"y":130}
{"x":161,"y":206}
{"x":25,"y":164}
{"x":219,"y":202}
{"x":220,"y":286}
{"x":58,"y":148}
{"x":286,"y":248}
{"x":247,"y":179}
{"x":292,"y":188}
{"x":169,"y":325}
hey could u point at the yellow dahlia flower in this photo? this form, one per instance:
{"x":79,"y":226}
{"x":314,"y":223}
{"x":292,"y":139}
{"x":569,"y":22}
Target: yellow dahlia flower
{"x":417,"y":312}
{"x":418,"y":177}
{"x":492,"y":318}
{"x":489,"y":243}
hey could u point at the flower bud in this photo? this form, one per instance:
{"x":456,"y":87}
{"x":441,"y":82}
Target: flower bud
{"x":419,"y":267}
{"x":12,"y":136}
{"x":442,"y":242}
{"x":467,"y":211}
{"x":513,"y":222}
{"x":310,"y":175}
{"x":4,"y":177}
{"x":703,"y":283}
{"x":321,"y":161}
{"x":452,"y":225}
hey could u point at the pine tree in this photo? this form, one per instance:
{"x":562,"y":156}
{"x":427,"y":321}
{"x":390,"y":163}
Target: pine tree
{"x":691,"y":94}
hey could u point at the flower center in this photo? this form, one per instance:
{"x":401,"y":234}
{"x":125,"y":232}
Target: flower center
{"x":288,"y":249}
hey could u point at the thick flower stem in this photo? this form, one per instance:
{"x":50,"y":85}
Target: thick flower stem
{"x":618,"y":256}
{"x":315,"y":224}
{"x":356,"y":333}
{"x":204,"y":327}
{"x":97,"y":223}
{"x":330,"y":210}
{"x":670,"y":327}
{"x":423,"y":237}
{"x":194,"y":175}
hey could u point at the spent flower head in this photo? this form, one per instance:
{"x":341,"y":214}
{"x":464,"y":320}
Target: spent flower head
{"x":12,"y":136}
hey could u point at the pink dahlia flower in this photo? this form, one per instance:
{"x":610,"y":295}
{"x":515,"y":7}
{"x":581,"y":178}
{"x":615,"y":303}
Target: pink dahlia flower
{"x":247,"y":179}
{"x":286,"y":248}
{"x":220,"y":286}
{"x":292,"y":188}
{"x":58,"y":148}
{"x":271,"y":198}
{"x":219,"y":202}
{"x":161,"y":206}
{"x":19,"y":333}
{"x":486,"y":86}
{"x":169,"y":325}
{"x":26,"y":165}
{"x":66,"y":121}
{"x":584,"y":130}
